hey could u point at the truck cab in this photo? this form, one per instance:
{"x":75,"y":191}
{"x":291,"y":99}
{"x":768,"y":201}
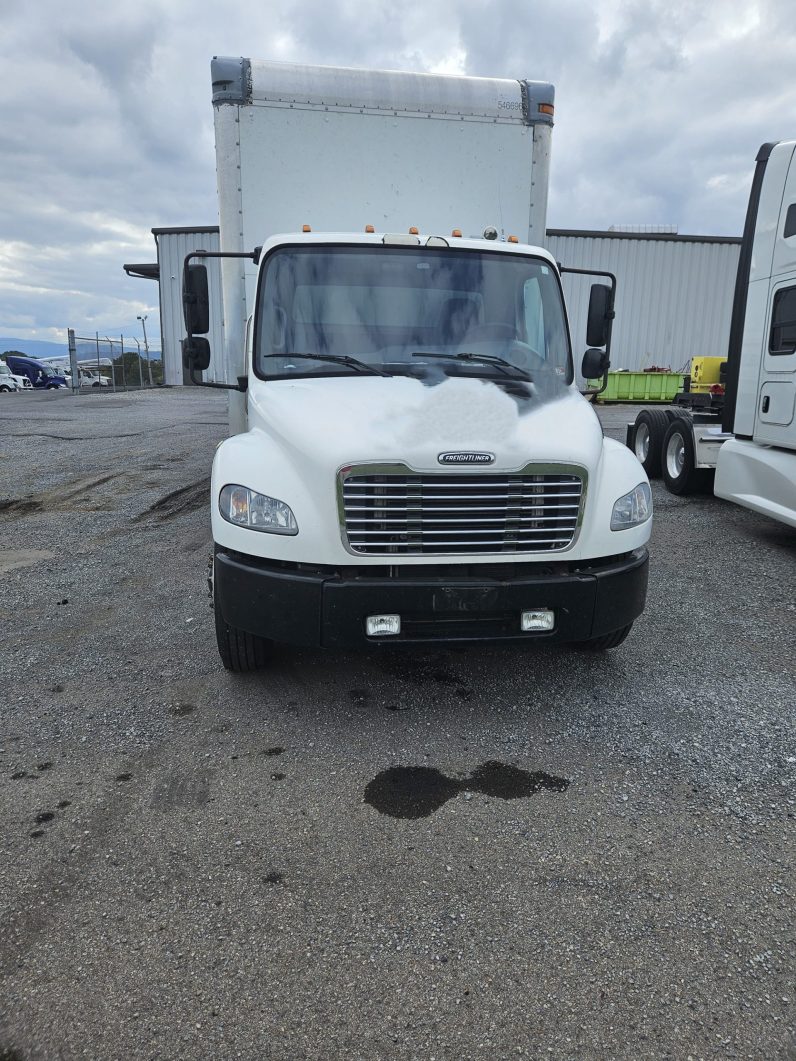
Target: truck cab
{"x":41,"y":376}
{"x":419,"y":464}
{"x":757,"y":466}
{"x":410,"y":459}
{"x":742,"y":445}
{"x":8,"y":381}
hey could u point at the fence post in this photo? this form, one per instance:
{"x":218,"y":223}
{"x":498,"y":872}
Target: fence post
{"x":70,"y":334}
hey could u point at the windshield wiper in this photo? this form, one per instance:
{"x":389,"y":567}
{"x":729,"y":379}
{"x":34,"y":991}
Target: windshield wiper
{"x":335,"y":359}
{"x":488,"y":359}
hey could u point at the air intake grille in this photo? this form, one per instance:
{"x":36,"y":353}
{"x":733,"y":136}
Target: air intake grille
{"x":409,"y":514}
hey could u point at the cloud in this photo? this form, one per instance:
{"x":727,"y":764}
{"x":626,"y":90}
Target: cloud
{"x":106,"y":129}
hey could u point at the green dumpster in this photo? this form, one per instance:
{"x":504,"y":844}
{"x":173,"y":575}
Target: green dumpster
{"x":640,"y":386}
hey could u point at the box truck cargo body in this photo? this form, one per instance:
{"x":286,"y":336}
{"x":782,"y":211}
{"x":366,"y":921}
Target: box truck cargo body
{"x":410,"y":459}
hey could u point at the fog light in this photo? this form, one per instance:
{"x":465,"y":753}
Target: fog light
{"x":544,"y":619}
{"x":382,"y":625}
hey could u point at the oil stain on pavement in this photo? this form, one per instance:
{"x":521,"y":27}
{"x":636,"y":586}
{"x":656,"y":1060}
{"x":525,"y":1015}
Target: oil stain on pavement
{"x":418,"y":791}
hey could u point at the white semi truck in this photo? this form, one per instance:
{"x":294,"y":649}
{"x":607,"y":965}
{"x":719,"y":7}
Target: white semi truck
{"x":746,"y":447}
{"x":410,"y":459}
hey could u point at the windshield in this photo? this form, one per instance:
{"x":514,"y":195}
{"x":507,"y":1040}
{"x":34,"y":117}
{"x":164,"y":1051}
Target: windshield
{"x":410,"y":310}
{"x":4,"y":369}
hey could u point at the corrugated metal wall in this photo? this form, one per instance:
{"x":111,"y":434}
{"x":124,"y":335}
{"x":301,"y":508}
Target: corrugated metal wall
{"x":674,"y":293}
{"x":173,"y":245}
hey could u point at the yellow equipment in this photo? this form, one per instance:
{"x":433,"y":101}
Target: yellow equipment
{"x":705,"y":373}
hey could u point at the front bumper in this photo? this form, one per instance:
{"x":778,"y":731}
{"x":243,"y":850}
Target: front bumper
{"x":327,"y":607}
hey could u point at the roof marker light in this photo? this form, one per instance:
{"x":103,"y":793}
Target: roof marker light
{"x":306,"y":228}
{"x":400,"y":239}
{"x":413,"y":231}
{"x":369,"y":228}
{"x":513,"y":239}
{"x":457,"y":232}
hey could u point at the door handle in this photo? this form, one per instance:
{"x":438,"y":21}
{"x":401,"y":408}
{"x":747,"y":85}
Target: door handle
{"x":766,"y":402}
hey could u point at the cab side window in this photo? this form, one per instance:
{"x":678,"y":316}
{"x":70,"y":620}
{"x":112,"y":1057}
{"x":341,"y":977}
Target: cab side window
{"x":783,"y":322}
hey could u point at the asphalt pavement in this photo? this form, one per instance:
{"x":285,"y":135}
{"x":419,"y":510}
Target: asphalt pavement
{"x":459,"y":853}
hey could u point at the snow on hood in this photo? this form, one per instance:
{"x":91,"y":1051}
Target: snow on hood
{"x":339,"y":420}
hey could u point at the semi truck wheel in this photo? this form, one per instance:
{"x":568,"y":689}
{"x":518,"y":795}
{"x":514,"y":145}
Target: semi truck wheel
{"x":648,"y":432}
{"x":606,"y":641}
{"x":678,"y":461}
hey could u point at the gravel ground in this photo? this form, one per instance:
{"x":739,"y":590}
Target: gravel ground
{"x":596,"y":854}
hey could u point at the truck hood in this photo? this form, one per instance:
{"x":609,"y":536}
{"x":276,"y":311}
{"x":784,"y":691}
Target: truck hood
{"x":354,"y":419}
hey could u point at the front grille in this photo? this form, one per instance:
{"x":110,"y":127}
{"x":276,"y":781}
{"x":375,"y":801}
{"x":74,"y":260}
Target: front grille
{"x":401,"y":513}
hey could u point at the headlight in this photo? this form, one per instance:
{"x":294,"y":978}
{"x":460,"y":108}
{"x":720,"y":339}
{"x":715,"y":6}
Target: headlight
{"x":245,"y":508}
{"x":632,"y":508}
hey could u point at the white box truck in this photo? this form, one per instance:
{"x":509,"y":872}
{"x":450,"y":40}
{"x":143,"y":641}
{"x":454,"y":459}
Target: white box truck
{"x":747,"y":440}
{"x":410,"y":460}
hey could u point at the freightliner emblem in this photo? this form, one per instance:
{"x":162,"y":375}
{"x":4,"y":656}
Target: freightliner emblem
{"x":462,"y":457}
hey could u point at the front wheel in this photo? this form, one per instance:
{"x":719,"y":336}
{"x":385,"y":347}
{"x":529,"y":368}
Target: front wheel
{"x":240,"y":651}
{"x":605,"y":641}
{"x":678,"y":461}
{"x":52,"y":387}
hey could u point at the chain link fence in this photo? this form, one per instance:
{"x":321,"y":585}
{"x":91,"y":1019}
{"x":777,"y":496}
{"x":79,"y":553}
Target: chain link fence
{"x":118,"y":363}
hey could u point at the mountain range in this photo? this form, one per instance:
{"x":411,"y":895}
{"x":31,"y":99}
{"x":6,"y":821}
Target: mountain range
{"x":44,"y":348}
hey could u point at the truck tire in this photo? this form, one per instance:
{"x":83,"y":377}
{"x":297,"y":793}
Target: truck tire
{"x":240,"y":651}
{"x":4,"y":389}
{"x":648,"y":432}
{"x":678,"y":458}
{"x":605,"y":641}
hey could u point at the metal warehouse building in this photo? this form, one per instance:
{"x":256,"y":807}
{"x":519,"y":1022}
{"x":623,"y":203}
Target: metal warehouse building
{"x":674,"y":293}
{"x":172,"y":246}
{"x":673,"y":299}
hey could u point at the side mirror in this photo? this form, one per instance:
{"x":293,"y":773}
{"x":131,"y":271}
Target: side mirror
{"x":595,"y":363}
{"x":601,"y":313}
{"x":196,"y":354}
{"x":195,"y":301}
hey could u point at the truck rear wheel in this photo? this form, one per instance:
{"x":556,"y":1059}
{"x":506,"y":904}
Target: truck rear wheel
{"x":648,"y":432}
{"x":605,"y":641}
{"x":240,"y":651}
{"x":678,"y":461}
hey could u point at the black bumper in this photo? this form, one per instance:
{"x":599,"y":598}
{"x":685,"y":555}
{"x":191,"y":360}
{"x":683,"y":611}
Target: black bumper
{"x":328,"y":607}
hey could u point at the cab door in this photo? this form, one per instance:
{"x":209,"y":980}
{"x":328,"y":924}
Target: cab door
{"x":775,"y":418}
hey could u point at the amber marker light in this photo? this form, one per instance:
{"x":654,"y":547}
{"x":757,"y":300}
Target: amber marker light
{"x":369,"y":228}
{"x":306,"y":228}
{"x":457,"y":232}
{"x":414,"y":230}
{"x":546,"y":108}
{"x":513,"y":239}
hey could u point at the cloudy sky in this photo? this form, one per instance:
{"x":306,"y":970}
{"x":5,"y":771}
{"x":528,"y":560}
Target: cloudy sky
{"x":106,"y":121}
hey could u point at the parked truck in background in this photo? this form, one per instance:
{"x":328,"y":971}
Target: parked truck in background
{"x":744,"y":447}
{"x":40,"y":375}
{"x":410,"y":458}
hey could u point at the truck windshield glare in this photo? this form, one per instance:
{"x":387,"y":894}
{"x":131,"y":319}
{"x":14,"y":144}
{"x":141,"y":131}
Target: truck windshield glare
{"x":386,"y":307}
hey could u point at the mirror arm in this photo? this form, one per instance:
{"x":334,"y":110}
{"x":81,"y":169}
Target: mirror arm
{"x":241,"y":385}
{"x":243,"y":382}
{"x":592,"y":392}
